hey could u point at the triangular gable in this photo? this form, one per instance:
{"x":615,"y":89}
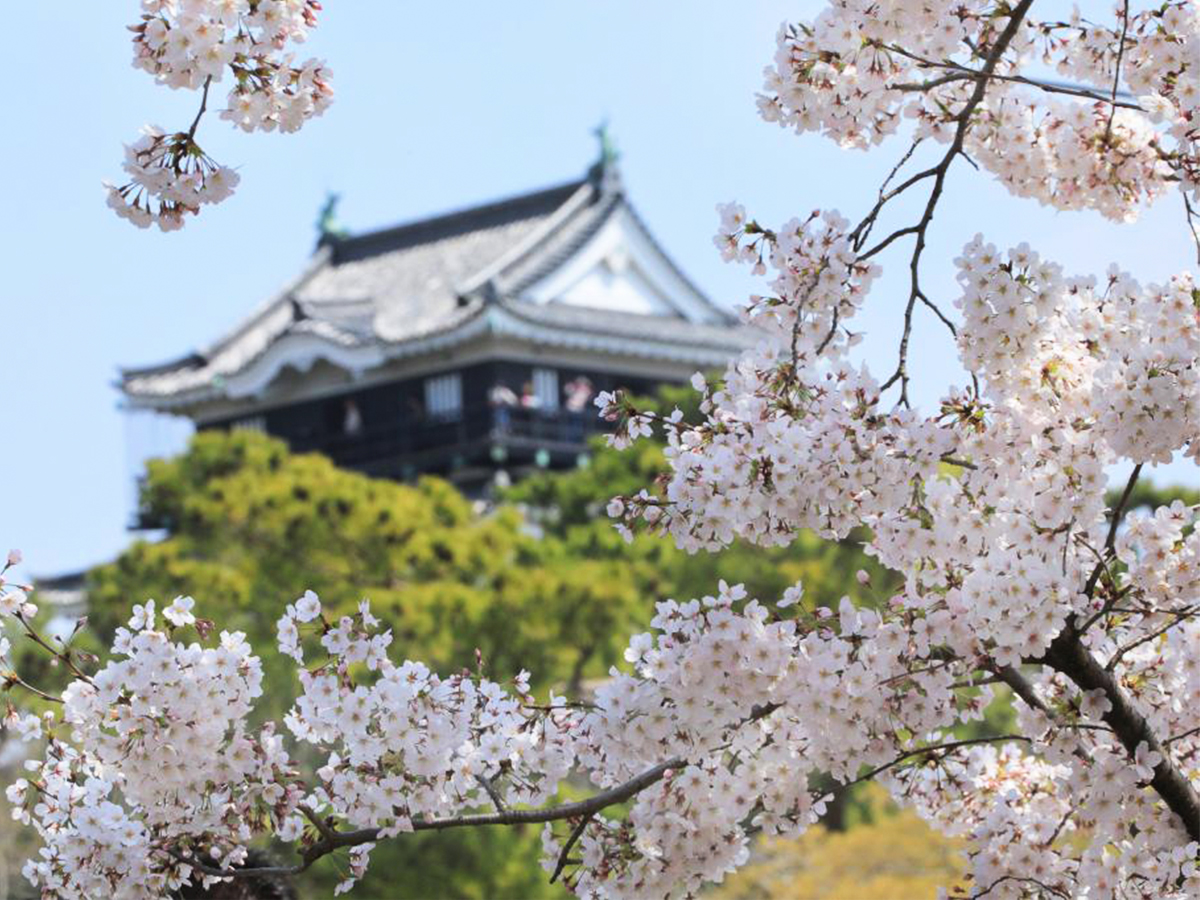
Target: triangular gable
{"x":620,"y":268}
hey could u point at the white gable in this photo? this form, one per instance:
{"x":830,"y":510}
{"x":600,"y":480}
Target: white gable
{"x":617,"y":284}
{"x":621,"y":269}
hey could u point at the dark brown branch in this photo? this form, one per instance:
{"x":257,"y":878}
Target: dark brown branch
{"x":1110,"y":546}
{"x":1191,"y":220}
{"x":64,"y":654}
{"x":335,"y":840}
{"x":963,"y":119}
{"x":882,"y":245}
{"x":1179,"y":737}
{"x":862,"y":230}
{"x":1058,"y":892}
{"x":488,"y":786}
{"x":937,"y":312}
{"x":1177,"y":617}
{"x":565,"y":856}
{"x":12,"y":678}
{"x":1022,"y":688}
{"x":935,"y":748}
{"x":1069,"y":656}
{"x":924,"y":86}
{"x":961,"y":463}
{"x":191,"y":133}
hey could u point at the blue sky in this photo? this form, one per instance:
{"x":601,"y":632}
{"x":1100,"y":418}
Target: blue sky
{"x":437,"y":107}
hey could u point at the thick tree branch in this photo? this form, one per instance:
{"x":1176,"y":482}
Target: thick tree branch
{"x":1069,"y":656}
{"x":335,"y":840}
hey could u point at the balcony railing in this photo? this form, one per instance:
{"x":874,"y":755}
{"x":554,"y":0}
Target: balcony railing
{"x":511,"y":427}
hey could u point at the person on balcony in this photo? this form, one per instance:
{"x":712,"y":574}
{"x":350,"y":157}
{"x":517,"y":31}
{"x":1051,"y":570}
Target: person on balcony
{"x":529,"y":397}
{"x":352,"y":420}
{"x":578,"y":393}
{"x":502,"y":399}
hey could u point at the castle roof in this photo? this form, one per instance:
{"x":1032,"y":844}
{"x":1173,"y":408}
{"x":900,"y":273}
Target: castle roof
{"x":571,"y":266}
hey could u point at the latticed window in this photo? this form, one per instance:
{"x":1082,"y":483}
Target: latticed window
{"x":545,"y":388}
{"x":443,"y":396}
{"x":250,"y":423}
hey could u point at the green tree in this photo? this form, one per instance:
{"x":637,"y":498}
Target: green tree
{"x":886,"y":854}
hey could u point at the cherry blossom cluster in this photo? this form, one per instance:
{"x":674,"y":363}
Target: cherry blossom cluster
{"x":1118,"y":355}
{"x":151,"y":764}
{"x":752,"y":704}
{"x":170,"y":176}
{"x":1158,"y":49}
{"x":193,"y":44}
{"x":152,"y":777}
{"x":993,"y":507}
{"x":408,"y":745}
{"x":1025,"y":809}
{"x":791,"y":443}
{"x":862,"y":68}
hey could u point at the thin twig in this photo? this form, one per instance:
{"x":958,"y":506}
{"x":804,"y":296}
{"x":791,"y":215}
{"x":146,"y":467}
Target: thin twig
{"x":490,"y":787}
{"x":1179,"y":617}
{"x":564,"y":857}
{"x":1117,"y":73}
{"x":1110,"y":544}
{"x":959,"y":72}
{"x":1191,"y":220}
{"x":1181,"y":736}
{"x":203,"y":106}
{"x":64,"y":655}
{"x":13,"y":678}
{"x":963,"y":118}
{"x":862,"y":231}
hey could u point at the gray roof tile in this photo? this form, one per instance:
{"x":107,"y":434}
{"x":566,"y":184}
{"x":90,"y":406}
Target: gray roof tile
{"x":403,"y":283}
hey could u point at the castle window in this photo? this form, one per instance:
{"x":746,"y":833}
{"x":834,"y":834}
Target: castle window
{"x":250,"y":423}
{"x":443,"y":396}
{"x":545,"y":388}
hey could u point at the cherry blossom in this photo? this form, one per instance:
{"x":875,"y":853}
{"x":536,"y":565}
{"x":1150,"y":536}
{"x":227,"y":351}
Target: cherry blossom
{"x":192,"y":45}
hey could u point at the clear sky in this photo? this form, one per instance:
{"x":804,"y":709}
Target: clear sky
{"x":438,"y":106}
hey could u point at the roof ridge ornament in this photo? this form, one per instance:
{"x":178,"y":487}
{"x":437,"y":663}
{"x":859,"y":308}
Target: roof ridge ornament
{"x":604,"y":173}
{"x":329,"y":229}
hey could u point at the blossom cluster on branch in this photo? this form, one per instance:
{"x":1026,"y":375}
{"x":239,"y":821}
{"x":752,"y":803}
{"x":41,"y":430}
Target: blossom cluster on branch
{"x":192,"y":45}
{"x":862,"y":68}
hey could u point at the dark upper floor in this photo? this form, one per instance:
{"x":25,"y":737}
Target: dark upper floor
{"x":465,"y":424}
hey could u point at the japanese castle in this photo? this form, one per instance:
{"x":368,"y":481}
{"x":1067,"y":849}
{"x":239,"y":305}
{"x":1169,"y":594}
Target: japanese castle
{"x":468,"y":345}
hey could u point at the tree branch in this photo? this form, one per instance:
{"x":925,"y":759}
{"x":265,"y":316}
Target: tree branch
{"x":191,"y":133}
{"x":332,"y":840}
{"x":1069,"y":656}
{"x":963,"y":119}
{"x":1117,"y":72}
{"x":1110,"y":546}
{"x":959,"y":72}
{"x":576,"y":834}
{"x":1177,"y":617}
